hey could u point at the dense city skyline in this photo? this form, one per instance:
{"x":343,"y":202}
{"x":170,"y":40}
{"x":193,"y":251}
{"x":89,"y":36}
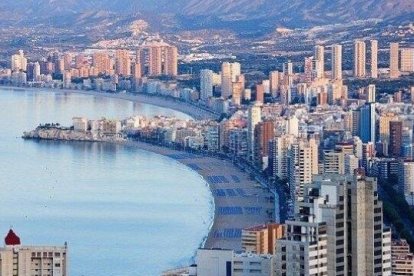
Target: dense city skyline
{"x":303,"y":135}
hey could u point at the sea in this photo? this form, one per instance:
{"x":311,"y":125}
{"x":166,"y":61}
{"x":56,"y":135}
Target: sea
{"x":121,"y":210}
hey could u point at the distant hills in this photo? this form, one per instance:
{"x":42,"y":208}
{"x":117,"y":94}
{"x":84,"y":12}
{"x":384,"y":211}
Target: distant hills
{"x":170,"y":15}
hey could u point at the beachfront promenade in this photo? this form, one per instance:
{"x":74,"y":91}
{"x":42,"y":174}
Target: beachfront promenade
{"x":239,"y":201}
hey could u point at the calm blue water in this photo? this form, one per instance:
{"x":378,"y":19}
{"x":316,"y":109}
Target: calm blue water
{"x":122,"y":211}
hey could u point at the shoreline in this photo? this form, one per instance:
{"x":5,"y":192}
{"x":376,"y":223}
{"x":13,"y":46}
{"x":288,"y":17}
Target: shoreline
{"x":237,"y":200}
{"x":156,"y":100}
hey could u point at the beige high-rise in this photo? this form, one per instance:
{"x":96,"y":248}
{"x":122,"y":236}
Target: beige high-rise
{"x":394,"y":60}
{"x":320,"y":61}
{"x":122,"y":63}
{"x":359,"y":59}
{"x":374,"y":59}
{"x":336,"y":62}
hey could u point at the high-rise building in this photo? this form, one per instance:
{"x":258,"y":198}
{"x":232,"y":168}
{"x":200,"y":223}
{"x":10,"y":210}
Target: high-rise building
{"x":158,"y":58}
{"x":17,"y":259}
{"x":278,"y":156}
{"x":302,"y":165}
{"x":367,"y":123}
{"x":80,"y":60}
{"x":384,"y":129}
{"x":255,"y":117}
{"x":206,"y":84}
{"x":122,"y":63}
{"x":274,"y":82}
{"x":137,"y":71}
{"x":19,"y":62}
{"x":288,"y":73}
{"x":394,"y":60}
{"x":36,"y":71}
{"x":309,"y":72}
{"x":320,"y":61}
{"x":359,"y":59}
{"x":67,"y":58}
{"x":347,"y":235}
{"x":170,"y":58}
{"x":237,"y":90}
{"x":371,"y":93}
{"x":406,"y":178}
{"x":261,"y":239}
{"x":402,"y":259}
{"x":407,"y":60}
{"x":374,"y":59}
{"x":229,"y":72}
{"x":336,"y":62}
{"x":334,"y":162}
{"x":260,"y":93}
{"x":101,"y":62}
{"x":395,"y":145}
{"x":264,"y":132}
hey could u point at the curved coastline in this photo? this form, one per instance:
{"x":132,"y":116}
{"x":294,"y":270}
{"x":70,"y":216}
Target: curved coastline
{"x":237,"y":199}
{"x":193,"y":111}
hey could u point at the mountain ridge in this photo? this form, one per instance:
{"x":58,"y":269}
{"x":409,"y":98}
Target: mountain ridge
{"x":213,"y":13}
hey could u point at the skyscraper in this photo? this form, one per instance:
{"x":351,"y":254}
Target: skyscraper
{"x":302,"y":165}
{"x":263,"y":133}
{"x":367,"y":123}
{"x":406,"y":179}
{"x":122,"y":63}
{"x":260,"y":93}
{"x":237,"y":90}
{"x":394,"y":60}
{"x":374,"y":59}
{"x":206,"y":84}
{"x":359,"y":59}
{"x":36,"y":71}
{"x":371,"y":93}
{"x":19,"y":62}
{"x":339,"y":220}
{"x":336,"y":62}
{"x":101,"y":62}
{"x":274,"y":83}
{"x":309,"y":69}
{"x":255,"y":117}
{"x":158,"y":58}
{"x":407,"y":60}
{"x":288,"y":73}
{"x":170,"y":58}
{"x":396,"y":128}
{"x":229,"y":72}
{"x":320,"y":61}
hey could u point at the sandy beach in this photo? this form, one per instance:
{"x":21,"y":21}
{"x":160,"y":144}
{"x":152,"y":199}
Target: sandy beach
{"x":239,"y":201}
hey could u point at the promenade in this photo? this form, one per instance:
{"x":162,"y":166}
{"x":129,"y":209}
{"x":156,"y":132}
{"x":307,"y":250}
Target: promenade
{"x":239,"y":201}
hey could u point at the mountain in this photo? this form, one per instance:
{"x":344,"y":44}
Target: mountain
{"x":198,"y":14}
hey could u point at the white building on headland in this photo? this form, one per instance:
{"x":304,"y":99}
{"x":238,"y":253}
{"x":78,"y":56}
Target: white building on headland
{"x":17,"y":259}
